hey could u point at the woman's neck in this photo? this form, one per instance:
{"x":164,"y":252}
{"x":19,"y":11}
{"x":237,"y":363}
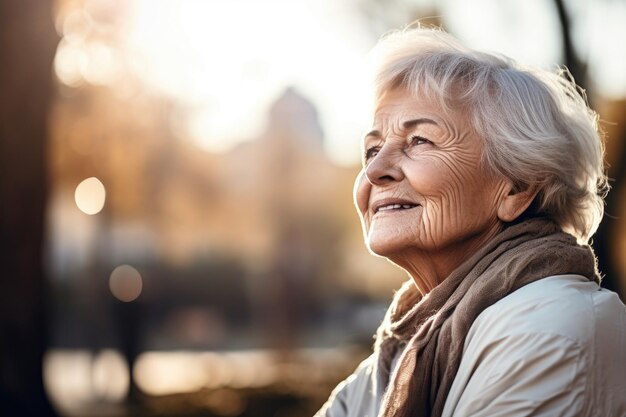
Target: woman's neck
{"x":428,"y":269}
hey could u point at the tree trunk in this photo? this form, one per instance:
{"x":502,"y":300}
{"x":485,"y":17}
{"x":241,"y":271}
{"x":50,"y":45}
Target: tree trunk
{"x":27,"y":46}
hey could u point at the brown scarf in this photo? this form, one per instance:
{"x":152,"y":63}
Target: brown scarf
{"x":434,"y":328}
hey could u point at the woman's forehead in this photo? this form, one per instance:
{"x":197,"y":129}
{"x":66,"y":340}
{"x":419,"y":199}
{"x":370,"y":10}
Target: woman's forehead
{"x":402,"y":107}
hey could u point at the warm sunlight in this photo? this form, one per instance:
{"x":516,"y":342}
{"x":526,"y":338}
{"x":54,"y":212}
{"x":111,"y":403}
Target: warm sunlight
{"x":229,"y":60}
{"x":224,"y":63}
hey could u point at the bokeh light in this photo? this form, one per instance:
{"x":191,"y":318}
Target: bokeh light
{"x":163,"y":373}
{"x":69,"y":62}
{"x":168,"y":373}
{"x":125,"y":283}
{"x":90,"y":196}
{"x":110,"y":376}
{"x":75,"y":377}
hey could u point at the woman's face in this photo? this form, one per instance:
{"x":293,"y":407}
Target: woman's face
{"x":422,"y":188}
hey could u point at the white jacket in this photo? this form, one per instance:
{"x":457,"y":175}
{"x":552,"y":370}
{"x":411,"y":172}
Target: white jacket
{"x":556,"y":347}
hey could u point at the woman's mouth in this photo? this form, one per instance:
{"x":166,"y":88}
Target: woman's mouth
{"x":392,"y":207}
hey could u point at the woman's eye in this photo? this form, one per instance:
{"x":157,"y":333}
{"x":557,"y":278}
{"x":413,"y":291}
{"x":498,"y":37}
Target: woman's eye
{"x":419,"y":140}
{"x":371,"y":152}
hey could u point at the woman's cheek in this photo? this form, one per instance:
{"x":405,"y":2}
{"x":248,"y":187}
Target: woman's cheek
{"x":430,"y":227}
{"x":441,"y":215}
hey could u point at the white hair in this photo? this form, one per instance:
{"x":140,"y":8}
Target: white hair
{"x":537,"y":127}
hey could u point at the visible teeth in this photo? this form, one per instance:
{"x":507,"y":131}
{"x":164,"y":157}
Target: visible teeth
{"x":396,"y":207}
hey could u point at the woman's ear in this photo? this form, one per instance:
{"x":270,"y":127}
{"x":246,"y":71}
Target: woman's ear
{"x":516,"y":202}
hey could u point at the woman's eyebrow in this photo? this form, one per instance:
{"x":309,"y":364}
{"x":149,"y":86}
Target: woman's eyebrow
{"x":372,"y":133}
{"x":409,"y":124}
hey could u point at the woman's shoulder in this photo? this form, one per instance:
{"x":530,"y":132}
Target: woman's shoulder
{"x":356,"y":395}
{"x":570,"y":306}
{"x":560,"y":337}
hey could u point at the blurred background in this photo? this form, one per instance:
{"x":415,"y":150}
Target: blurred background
{"x":177,"y":232}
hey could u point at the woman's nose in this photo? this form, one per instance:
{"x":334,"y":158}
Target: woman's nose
{"x":384,"y":167}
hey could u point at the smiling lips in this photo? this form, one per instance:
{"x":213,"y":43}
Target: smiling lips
{"x":387,"y":206}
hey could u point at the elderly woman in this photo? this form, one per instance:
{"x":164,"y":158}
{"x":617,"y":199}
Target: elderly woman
{"x":484,"y":181}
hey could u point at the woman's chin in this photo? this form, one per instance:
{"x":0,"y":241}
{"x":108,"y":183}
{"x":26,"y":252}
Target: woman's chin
{"x":385,"y":247}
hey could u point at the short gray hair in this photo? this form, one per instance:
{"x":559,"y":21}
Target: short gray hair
{"x":538,"y":128}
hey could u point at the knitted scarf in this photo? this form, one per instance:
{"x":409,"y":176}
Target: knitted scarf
{"x":432,"y":329}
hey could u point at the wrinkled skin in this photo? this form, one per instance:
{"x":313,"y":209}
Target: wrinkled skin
{"x":451,"y":205}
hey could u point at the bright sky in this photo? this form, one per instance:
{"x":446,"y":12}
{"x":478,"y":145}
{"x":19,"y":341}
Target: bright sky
{"x":529,"y":32}
{"x":228,"y":60}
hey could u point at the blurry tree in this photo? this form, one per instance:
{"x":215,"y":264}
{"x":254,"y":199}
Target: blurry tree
{"x":27,"y":46}
{"x":574,"y":64}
